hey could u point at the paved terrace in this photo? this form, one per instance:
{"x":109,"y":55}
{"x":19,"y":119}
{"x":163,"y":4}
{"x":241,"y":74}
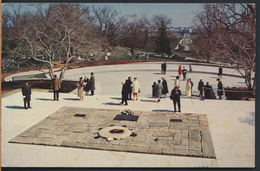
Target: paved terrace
{"x":231,"y":123}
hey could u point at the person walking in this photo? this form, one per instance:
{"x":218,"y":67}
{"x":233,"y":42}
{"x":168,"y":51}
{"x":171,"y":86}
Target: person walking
{"x":129,"y":89}
{"x":220,"y":89}
{"x":176,"y":82}
{"x":92,"y":83}
{"x":179,"y":70}
{"x":200,"y":87}
{"x":184,"y":72}
{"x":154,"y":90}
{"x":190,"y":68}
{"x":175,"y":96}
{"x":220,"y":72}
{"x":135,"y":88}
{"x":55,"y":87}
{"x":159,"y":89}
{"x":80,"y":86}
{"x":26,"y":91}
{"x":165,"y":87}
{"x":188,"y":89}
{"x":124,"y":93}
{"x":163,"y":66}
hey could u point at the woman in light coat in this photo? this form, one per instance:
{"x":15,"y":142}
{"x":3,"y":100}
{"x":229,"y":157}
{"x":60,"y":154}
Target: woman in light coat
{"x":135,"y":88}
{"x":188,"y":89}
{"x":80,"y":86}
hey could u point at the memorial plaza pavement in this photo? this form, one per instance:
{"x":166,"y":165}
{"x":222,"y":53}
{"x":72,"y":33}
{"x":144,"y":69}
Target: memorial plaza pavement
{"x":231,"y":122}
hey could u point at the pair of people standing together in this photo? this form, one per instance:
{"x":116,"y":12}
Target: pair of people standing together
{"x":129,"y":87}
{"x":160,"y":89}
{"x":86,"y":85}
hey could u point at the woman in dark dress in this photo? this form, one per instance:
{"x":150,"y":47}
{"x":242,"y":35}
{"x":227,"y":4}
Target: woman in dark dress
{"x":86,"y":87}
{"x":165,"y":87}
{"x":154,"y":87}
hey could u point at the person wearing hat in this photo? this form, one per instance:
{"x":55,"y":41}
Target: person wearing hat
{"x":220,"y":89}
{"x":26,"y":91}
{"x":124,"y":92}
{"x":80,"y":86}
{"x":165,"y":87}
{"x":175,"y":96}
{"x":55,"y":87}
{"x":135,"y":88}
{"x":92,"y":83}
{"x":200,"y":88}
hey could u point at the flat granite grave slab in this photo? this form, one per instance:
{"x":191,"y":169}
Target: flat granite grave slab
{"x":156,"y":134}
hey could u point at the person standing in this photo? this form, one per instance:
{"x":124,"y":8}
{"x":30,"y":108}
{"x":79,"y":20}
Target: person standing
{"x":184,"y":72}
{"x":55,"y":87}
{"x":154,"y":88}
{"x":200,"y":87}
{"x":220,"y":88}
{"x":207,"y":89}
{"x":124,"y":93}
{"x":129,"y":89}
{"x":26,"y":91}
{"x":176,"y":82}
{"x":220,"y":72}
{"x":191,"y":83}
{"x":159,"y":89}
{"x":175,"y":96}
{"x":135,"y":88}
{"x":92,"y":83}
{"x":179,"y":70}
{"x":163,"y":66}
{"x":188,"y":89}
{"x":86,"y":87}
{"x":80,"y":86}
{"x":165,"y":87}
{"x":190,"y":68}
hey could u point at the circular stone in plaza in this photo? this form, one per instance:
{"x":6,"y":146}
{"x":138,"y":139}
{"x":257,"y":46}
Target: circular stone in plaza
{"x":117,"y":132}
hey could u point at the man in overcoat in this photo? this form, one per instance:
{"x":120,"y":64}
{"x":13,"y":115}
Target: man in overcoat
{"x":175,"y":95}
{"x":55,"y":85}
{"x":220,"y":88}
{"x":124,"y":93}
{"x":92,"y":83}
{"x":129,"y":88}
{"x":163,"y":66}
{"x":26,"y":91}
{"x":220,"y":72}
{"x":200,"y":87}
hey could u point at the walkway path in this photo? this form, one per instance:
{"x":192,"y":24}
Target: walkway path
{"x":232,"y":123}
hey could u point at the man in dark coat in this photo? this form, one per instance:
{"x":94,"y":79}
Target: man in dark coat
{"x":92,"y":83}
{"x":220,"y":71}
{"x":207,"y":89}
{"x":184,"y":72}
{"x":26,"y":91}
{"x":200,"y":87}
{"x":165,"y":87}
{"x":163,"y":66}
{"x":129,"y":88}
{"x":220,"y":88}
{"x":124,"y":93}
{"x":175,"y":96}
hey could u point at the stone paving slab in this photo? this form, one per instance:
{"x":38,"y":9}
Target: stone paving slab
{"x":155,"y":133}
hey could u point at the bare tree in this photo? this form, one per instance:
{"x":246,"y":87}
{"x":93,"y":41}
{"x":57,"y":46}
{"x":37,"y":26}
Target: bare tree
{"x":232,"y":36}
